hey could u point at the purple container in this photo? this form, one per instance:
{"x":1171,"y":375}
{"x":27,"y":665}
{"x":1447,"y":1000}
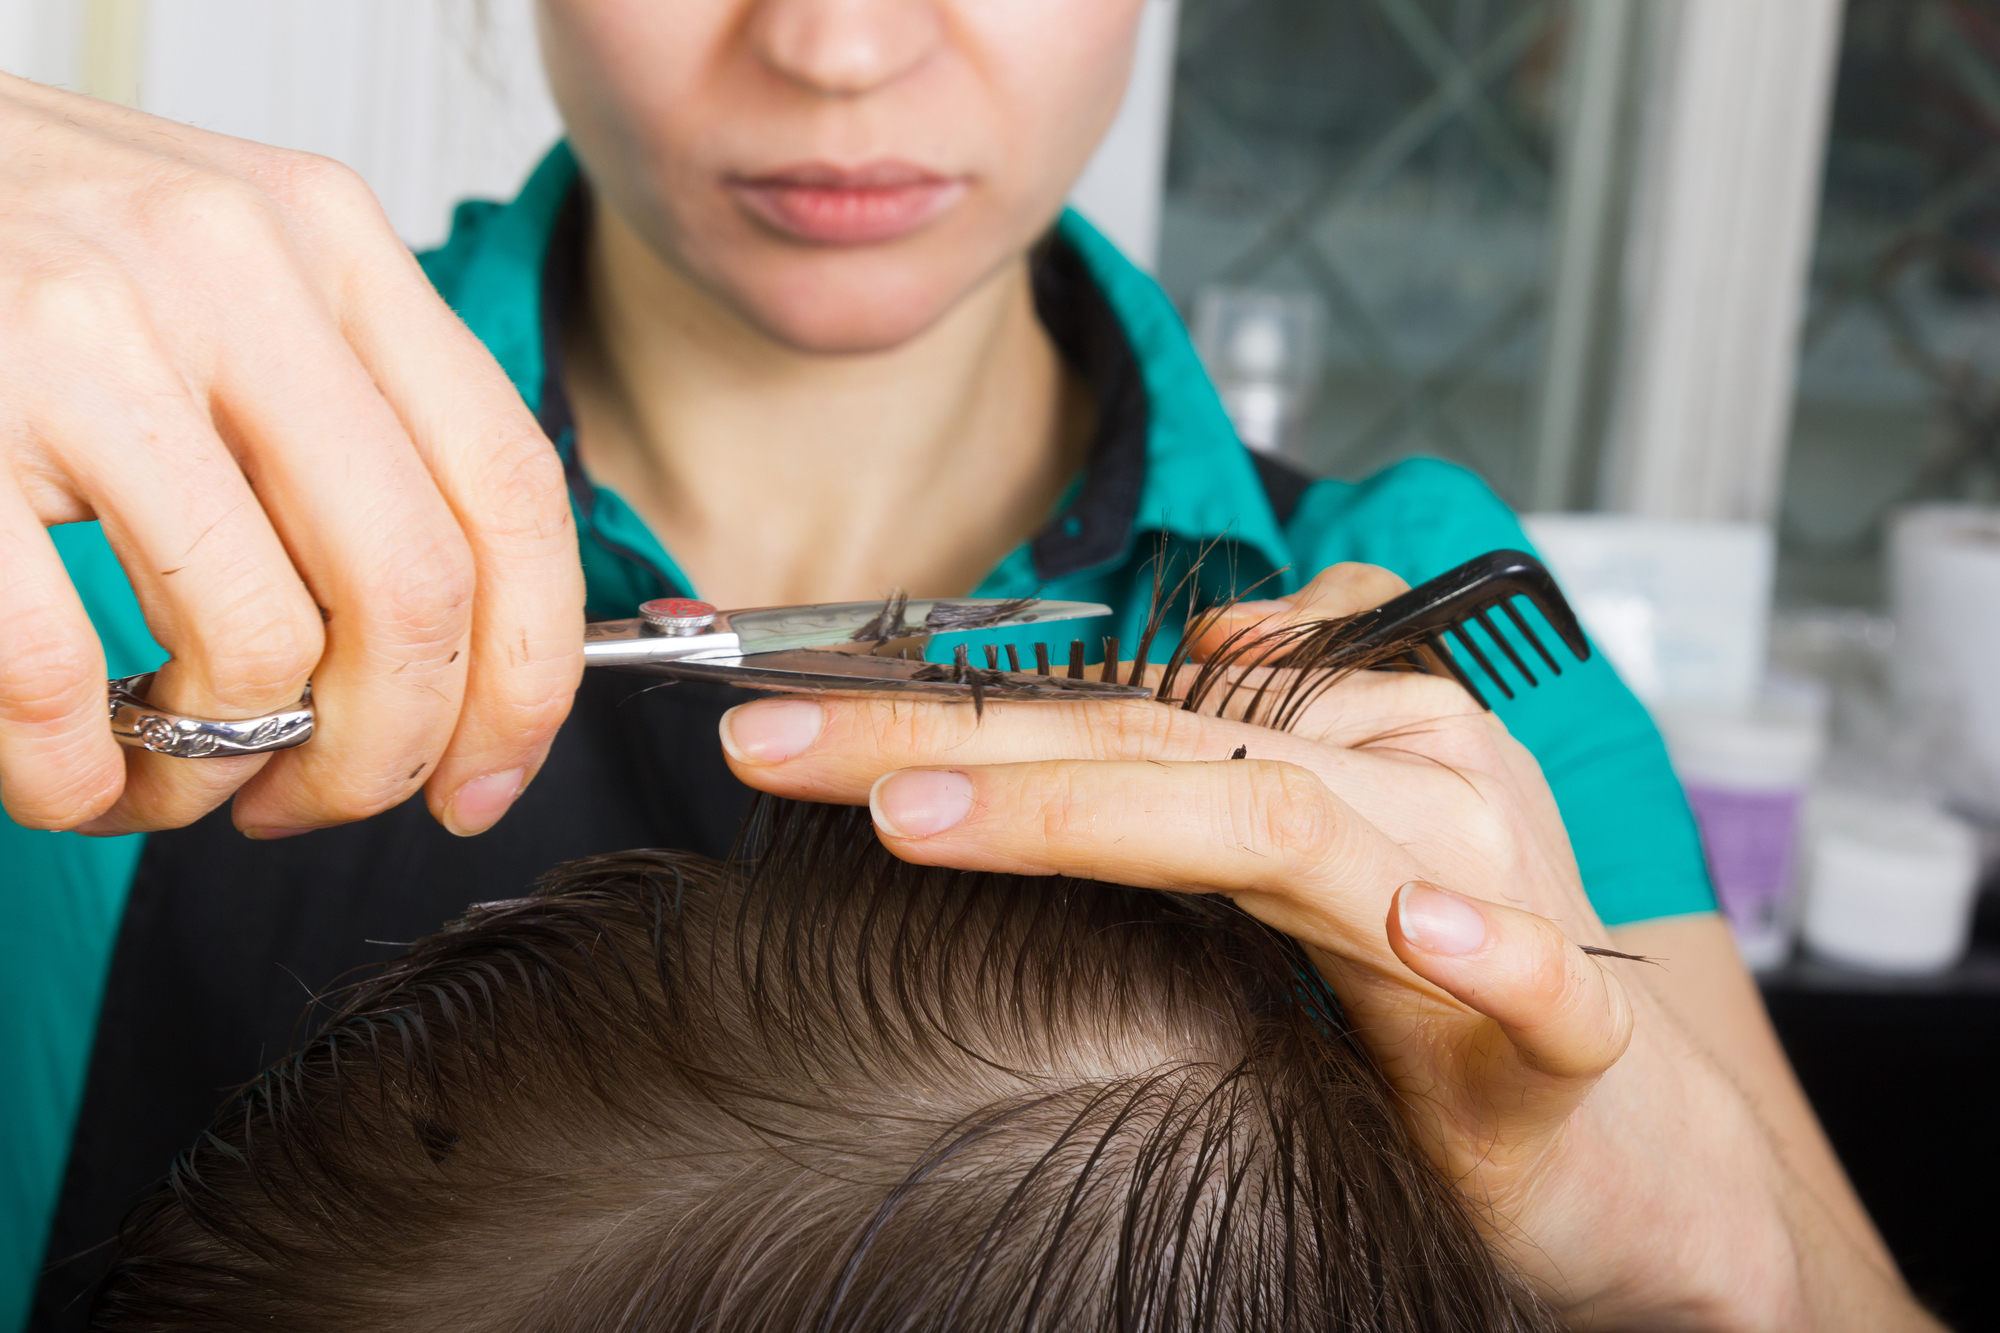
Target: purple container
{"x":1752,"y":841}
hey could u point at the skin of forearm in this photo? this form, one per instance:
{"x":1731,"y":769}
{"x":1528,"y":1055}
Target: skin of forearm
{"x":1673,"y":1208}
{"x":1839,"y":1286}
{"x":1719,"y":1256}
{"x":1702,"y":981}
{"x":1755,"y":1248}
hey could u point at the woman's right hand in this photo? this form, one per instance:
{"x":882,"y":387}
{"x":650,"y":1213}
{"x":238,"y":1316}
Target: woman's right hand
{"x":309,"y":468}
{"x":1414,"y":848}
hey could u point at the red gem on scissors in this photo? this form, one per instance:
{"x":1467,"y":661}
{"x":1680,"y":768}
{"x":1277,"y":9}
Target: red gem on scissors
{"x":678,"y":615}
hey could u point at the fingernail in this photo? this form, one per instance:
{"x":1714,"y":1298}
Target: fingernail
{"x":1260,"y":608}
{"x":273,"y":834}
{"x":919,"y":802}
{"x":1438,"y":922}
{"x":480,"y":802}
{"x":771,"y":730}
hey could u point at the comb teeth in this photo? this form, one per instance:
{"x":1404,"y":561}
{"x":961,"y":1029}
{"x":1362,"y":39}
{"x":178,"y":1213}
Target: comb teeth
{"x":1458,"y":631}
{"x":1529,"y":635}
{"x":1442,"y":654}
{"x":1505,"y":647}
{"x":1416,"y":627}
{"x":1108,"y":670}
{"x":1431,"y":652}
{"x":1459,"y":599}
{"x":1470,"y":646}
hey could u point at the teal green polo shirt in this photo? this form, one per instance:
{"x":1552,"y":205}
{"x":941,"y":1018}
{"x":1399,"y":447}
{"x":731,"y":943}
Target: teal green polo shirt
{"x":1195,"y":485}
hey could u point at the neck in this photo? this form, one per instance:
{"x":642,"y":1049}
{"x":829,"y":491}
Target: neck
{"x":780,"y":476}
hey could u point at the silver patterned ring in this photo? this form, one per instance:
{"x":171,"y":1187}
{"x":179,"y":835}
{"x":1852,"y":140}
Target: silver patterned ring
{"x":136,"y":722}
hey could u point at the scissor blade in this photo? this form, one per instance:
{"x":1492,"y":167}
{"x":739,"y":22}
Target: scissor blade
{"x":811,"y":671}
{"x":848,"y":627}
{"x":864,"y":624}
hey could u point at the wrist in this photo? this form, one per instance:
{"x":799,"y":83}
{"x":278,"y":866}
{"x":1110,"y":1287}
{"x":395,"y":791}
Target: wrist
{"x":1676,"y":1204}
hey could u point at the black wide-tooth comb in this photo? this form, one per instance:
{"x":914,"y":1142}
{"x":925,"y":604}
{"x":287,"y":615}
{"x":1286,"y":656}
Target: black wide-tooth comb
{"x":1417,"y":623}
{"x":1425,"y":614}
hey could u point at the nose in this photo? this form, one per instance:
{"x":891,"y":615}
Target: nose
{"x":841,"y":48}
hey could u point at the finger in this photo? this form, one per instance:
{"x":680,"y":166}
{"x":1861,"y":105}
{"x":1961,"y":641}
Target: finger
{"x":58,"y":763}
{"x":214,"y":581}
{"x":501,"y":478}
{"x":833,"y":749}
{"x":378,"y":549}
{"x":1270,"y":835}
{"x":1336,"y":591}
{"x":1565,"y":1016}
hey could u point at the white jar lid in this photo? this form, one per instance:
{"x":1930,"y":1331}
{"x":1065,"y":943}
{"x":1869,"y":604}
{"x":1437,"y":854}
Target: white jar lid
{"x":1890,"y":882}
{"x":1760,"y":749}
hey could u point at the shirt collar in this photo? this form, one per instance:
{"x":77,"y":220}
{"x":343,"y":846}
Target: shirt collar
{"x":1201,"y":483}
{"x":1164,"y":457}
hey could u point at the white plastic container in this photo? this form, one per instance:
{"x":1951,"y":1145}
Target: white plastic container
{"x":1890,"y":883}
{"x":1944,"y":592}
{"x":1746,"y":773}
{"x":1682,"y":608}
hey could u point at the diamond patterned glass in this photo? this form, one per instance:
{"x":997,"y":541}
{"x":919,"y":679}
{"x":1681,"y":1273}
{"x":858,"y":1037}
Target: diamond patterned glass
{"x":1899,"y":377}
{"x":1391,"y":160}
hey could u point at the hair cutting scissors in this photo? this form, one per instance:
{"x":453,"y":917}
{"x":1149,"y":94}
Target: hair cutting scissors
{"x":829,"y":647}
{"x":878,"y":648}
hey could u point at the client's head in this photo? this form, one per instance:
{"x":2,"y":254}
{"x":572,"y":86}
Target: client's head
{"x":820,"y":1090}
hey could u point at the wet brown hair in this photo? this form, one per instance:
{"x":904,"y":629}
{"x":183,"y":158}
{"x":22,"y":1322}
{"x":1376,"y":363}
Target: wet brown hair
{"x":820,"y":1089}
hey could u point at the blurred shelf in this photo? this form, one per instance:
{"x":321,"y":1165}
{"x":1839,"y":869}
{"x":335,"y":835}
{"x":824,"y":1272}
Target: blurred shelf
{"x":1904,"y":1073}
{"x":1978,"y":973}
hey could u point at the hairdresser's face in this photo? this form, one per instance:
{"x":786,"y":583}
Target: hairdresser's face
{"x":839,"y":172}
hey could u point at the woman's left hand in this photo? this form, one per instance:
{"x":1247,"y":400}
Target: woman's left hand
{"x":1414,"y":848}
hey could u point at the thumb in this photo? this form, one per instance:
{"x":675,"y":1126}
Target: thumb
{"x":1338,"y":590}
{"x":1565,"y":1018}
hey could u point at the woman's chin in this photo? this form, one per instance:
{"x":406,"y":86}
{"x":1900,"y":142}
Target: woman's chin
{"x":847,"y":317}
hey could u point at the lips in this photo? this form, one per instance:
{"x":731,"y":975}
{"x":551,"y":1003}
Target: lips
{"x":861,"y":205}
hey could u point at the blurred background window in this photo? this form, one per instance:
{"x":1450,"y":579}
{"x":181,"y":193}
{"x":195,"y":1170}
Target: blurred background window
{"x":1899,"y":371}
{"x":1390,"y":167}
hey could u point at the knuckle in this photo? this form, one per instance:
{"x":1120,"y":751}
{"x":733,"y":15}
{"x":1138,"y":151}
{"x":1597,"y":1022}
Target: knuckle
{"x":1059,"y":812}
{"x":52,"y":677}
{"x":1071,"y":810}
{"x":71,"y":297}
{"x":522,"y":490}
{"x":1509,"y":755}
{"x":222,"y":213}
{"x":1553,"y":983}
{"x":1289,"y":812}
{"x":45,"y":792}
{"x":1351,"y":586}
{"x":309,"y":182}
{"x":1128,"y":733}
{"x":264,"y":662}
{"x":425,"y":594}
{"x":532,"y":712}
{"x":1582,"y":1020}
{"x":1479,"y":743}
